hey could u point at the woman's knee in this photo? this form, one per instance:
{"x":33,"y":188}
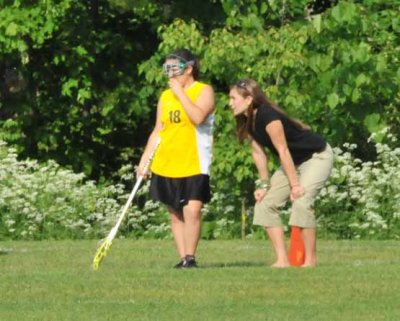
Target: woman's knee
{"x":192,"y":211}
{"x":302,"y":214}
{"x":267,"y":214}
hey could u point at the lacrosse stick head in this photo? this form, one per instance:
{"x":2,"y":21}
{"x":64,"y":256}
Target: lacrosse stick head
{"x":101,"y":253}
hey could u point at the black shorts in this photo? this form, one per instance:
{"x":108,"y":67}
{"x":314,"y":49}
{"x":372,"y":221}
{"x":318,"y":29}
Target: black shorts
{"x":177,"y":192}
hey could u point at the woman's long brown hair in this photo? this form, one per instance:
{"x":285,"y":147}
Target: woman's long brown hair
{"x":249,"y":87}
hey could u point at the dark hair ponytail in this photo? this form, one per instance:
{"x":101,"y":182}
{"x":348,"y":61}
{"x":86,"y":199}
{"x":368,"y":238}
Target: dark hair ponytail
{"x":249,"y":87}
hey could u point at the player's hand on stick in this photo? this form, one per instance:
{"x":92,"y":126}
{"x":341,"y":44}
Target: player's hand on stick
{"x":140,"y":171}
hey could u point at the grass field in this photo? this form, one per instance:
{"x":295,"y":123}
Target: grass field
{"x":53,"y":280}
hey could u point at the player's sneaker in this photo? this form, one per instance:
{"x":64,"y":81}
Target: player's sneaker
{"x":188,"y":262}
{"x":179,"y":265}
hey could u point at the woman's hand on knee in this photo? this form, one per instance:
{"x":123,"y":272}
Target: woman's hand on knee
{"x":296,"y":192}
{"x":259,"y":194}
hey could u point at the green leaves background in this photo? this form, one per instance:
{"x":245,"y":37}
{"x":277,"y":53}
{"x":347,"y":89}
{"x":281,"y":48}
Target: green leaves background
{"x":91,"y":73}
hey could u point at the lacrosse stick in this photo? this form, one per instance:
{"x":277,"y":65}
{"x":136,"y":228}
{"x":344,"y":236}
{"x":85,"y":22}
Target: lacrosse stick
{"x":107,"y":242}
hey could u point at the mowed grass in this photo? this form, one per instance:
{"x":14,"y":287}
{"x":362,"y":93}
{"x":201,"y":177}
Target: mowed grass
{"x":53,"y":280}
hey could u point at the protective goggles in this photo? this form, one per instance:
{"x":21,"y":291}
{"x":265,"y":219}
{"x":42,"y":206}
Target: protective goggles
{"x":173,"y":70}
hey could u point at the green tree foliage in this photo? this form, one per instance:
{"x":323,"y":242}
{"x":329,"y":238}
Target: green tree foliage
{"x":78,"y":59}
{"x":72,"y":91}
{"x":337,"y":70}
{"x":82,"y":77}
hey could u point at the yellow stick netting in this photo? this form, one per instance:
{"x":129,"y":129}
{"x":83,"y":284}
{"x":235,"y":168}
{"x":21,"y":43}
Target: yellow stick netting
{"x":101,"y":253}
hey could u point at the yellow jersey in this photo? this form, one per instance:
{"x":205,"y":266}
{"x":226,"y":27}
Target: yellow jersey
{"x":185,"y":149}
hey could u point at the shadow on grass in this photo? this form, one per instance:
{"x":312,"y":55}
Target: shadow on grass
{"x":232,"y":265}
{"x":4,"y":251}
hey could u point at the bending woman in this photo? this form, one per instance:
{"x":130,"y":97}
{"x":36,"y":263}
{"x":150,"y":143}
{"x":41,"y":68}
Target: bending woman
{"x":306,"y":163}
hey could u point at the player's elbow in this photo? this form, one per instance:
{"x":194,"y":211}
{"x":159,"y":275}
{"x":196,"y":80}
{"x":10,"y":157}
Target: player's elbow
{"x":196,"y":121}
{"x":199,"y":119}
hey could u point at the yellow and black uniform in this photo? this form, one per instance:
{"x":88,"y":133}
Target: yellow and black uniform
{"x":181,"y":165}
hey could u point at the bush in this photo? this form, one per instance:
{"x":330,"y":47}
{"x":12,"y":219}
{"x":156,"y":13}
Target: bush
{"x":362,"y":199}
{"x":40,"y":201}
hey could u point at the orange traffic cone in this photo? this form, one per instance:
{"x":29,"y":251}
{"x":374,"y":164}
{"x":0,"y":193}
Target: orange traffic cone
{"x":296,"y":247}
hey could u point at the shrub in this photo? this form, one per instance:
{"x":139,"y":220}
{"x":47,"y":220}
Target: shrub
{"x":39,"y":201}
{"x":362,"y":199}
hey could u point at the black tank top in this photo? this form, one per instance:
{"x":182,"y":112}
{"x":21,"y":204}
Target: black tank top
{"x":301,"y":143}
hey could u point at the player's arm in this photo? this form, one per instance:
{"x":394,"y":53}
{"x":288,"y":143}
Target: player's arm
{"x":260,"y":160}
{"x":152,"y":140}
{"x":197,"y":111}
{"x":278,"y":138}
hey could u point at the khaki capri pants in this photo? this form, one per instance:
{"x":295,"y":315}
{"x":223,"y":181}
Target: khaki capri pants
{"x":312,"y":175}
